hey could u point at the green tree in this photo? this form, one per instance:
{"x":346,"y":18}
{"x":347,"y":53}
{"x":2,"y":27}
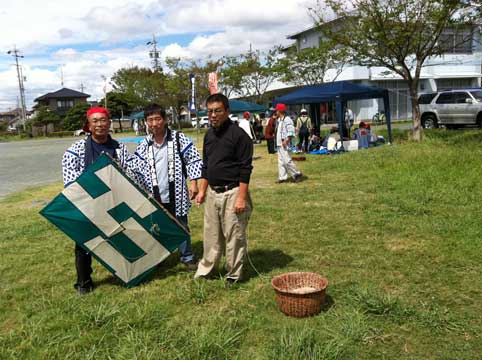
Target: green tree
{"x":75,"y":117}
{"x":397,"y":34}
{"x":310,"y":66}
{"x":44,"y":117}
{"x":250,"y":74}
{"x":139,"y":86}
{"x":178,"y":86}
{"x":120,"y":105}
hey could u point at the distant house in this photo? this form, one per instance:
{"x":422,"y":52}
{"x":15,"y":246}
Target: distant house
{"x":61,"y":100}
{"x":13,"y":118}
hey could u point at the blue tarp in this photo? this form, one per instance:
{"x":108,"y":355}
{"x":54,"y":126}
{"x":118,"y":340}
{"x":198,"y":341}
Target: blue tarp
{"x":339,"y":92}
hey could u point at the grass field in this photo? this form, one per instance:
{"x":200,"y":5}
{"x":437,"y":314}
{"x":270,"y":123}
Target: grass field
{"x":396,"y":229}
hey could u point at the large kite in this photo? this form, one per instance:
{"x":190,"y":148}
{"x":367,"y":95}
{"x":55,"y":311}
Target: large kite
{"x":111,"y":217}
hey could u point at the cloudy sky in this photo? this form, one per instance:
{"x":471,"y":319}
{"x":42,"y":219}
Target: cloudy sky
{"x":86,"y":40}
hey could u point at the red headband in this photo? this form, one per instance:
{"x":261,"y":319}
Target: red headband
{"x":94,"y":110}
{"x":98,"y":109}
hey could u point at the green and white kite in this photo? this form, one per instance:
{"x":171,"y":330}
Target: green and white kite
{"x":115,"y":220}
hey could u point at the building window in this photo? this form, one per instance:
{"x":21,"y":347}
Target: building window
{"x":456,"y":41}
{"x":444,"y":84}
{"x":65,"y":104}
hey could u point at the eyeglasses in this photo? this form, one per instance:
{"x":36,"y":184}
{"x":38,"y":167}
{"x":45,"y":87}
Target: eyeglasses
{"x":215,"y":111}
{"x":155,"y":119}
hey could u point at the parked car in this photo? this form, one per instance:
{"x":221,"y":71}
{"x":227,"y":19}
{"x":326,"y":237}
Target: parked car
{"x":203,"y":122}
{"x":451,"y":108}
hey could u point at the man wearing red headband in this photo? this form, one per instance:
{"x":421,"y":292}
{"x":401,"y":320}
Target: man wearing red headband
{"x":75,"y":160}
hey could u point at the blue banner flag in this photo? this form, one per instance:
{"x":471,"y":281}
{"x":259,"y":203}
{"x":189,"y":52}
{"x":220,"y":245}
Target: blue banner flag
{"x":114,"y":219}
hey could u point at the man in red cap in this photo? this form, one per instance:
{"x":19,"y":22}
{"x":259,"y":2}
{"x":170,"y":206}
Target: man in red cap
{"x":76,"y":159}
{"x":284,"y":133}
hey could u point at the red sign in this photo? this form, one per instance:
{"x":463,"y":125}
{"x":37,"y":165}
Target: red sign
{"x":213,"y":83}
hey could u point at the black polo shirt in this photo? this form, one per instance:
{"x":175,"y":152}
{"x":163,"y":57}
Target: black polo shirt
{"x":227,"y":155}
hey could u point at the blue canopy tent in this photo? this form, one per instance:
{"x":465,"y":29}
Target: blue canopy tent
{"x":338,"y":92}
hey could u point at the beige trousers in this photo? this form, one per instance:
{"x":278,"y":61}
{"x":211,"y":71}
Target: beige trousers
{"x":286,"y":166}
{"x":224,"y":232}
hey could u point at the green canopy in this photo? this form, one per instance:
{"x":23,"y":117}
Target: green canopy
{"x":235,"y":106}
{"x":139,"y":115}
{"x":239,"y":106}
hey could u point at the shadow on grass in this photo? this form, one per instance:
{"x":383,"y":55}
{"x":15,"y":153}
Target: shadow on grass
{"x":328,"y":303}
{"x":168,"y":267}
{"x":264,"y":261}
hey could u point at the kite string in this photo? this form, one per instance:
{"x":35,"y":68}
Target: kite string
{"x":264,"y":277}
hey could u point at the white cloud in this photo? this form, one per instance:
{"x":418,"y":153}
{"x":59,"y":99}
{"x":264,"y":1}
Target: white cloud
{"x":89,"y":40}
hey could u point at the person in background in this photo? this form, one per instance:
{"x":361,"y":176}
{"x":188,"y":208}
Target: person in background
{"x":164,"y":175}
{"x":76,"y":159}
{"x":361,"y":134}
{"x":304,"y":129}
{"x":285,"y":131}
{"x":226,"y":172}
{"x":269,"y":133}
{"x":349,"y":119}
{"x":331,"y":139}
{"x":245,"y":124}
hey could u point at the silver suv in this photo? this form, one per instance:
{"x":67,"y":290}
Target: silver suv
{"x":451,"y":108}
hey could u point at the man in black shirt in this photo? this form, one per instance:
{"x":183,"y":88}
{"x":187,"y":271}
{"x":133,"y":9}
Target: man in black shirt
{"x":227,"y":158}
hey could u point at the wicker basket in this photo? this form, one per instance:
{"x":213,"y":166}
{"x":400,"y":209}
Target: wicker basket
{"x":300,"y":294}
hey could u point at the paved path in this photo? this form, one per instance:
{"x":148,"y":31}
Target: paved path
{"x":33,"y":162}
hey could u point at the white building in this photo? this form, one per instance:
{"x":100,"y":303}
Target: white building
{"x":460,"y":66}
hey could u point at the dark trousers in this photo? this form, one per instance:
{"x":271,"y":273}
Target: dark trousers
{"x":83,"y":265}
{"x":303,"y":144}
{"x":270,"y":143}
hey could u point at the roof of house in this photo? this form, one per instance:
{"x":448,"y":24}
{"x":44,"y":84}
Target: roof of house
{"x":297,"y":34}
{"x":63,"y":93}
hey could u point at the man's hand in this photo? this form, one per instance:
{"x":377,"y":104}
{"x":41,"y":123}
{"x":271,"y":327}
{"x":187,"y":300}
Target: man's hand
{"x":285,"y":143}
{"x":193,"y":190}
{"x":199,"y":199}
{"x":239,"y":205}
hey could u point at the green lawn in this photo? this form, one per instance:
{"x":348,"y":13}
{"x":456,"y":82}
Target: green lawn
{"x":396,"y":229}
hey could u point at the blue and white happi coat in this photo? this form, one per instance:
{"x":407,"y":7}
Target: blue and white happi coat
{"x":73,"y":161}
{"x":284,"y":129}
{"x":143,"y":172}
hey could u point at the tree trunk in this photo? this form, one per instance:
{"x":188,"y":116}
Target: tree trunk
{"x":417,"y":123}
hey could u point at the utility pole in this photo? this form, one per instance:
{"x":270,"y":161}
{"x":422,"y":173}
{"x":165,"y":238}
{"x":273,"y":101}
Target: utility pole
{"x":154,"y":53}
{"x":81,"y":87}
{"x":105,"y":91}
{"x":23,"y":111}
{"x":62,"y":75}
